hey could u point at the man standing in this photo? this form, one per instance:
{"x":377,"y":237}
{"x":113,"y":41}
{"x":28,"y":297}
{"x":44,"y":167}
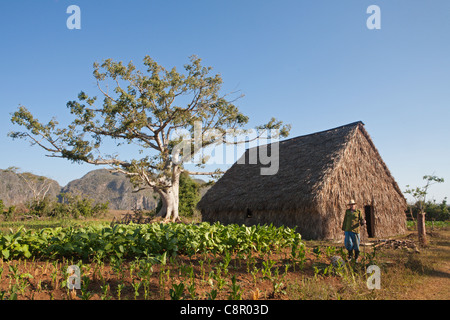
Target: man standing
{"x":352,"y":220}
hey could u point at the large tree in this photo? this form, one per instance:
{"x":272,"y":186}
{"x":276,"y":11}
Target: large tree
{"x":145,"y":109}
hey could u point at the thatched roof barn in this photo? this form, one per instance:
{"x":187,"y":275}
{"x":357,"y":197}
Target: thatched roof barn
{"x":317,"y":176}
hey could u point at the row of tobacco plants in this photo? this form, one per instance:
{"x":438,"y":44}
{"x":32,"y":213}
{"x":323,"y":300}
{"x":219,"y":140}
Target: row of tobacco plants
{"x":65,"y":205}
{"x":152,"y":261}
{"x":143,"y":240}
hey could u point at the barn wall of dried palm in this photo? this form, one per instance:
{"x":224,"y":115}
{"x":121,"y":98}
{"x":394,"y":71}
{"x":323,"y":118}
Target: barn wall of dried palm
{"x":307,"y":223}
{"x":361,"y":174}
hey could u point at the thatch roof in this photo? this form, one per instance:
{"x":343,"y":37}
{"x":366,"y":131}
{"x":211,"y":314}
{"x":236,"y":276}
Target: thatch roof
{"x":305,"y":163}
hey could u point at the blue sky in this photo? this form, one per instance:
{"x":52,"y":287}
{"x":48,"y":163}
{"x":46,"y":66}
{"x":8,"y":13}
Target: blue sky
{"x":313,"y":64}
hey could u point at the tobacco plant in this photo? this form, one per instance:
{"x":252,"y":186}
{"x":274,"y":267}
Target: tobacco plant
{"x":157,"y":241}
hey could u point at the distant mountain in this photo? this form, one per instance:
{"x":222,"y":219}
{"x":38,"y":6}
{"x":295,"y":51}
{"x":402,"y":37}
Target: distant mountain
{"x":99,"y":185}
{"x":16,"y":188}
{"x":102,"y":185}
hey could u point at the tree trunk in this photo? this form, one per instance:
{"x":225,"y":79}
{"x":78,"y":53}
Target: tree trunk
{"x":421,"y":229}
{"x":170,"y":199}
{"x":163,"y":211}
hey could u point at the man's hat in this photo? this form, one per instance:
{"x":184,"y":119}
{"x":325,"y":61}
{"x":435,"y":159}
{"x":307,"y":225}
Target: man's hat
{"x":352,"y":202}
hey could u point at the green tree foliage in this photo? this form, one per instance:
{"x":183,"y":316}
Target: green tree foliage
{"x":7,"y":213}
{"x":70,"y":205}
{"x":434,"y":210}
{"x":189,"y":195}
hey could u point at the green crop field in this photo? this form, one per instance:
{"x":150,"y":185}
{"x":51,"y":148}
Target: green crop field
{"x":205,"y":261}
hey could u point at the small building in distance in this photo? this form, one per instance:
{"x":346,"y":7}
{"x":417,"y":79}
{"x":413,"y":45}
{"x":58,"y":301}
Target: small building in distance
{"x":317,"y":176}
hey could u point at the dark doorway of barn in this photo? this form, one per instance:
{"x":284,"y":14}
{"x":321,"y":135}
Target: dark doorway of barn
{"x":370,"y":221}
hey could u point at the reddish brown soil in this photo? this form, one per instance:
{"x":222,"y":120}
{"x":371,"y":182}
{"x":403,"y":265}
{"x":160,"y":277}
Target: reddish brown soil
{"x":47,"y":278}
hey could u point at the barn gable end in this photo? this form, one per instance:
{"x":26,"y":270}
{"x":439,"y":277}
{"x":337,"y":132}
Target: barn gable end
{"x":361,"y":174}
